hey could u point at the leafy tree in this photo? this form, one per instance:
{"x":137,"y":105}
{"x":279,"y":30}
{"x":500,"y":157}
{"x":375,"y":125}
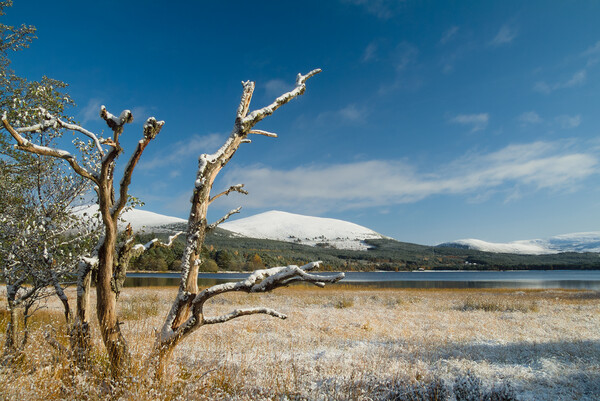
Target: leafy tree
{"x":37,"y":249}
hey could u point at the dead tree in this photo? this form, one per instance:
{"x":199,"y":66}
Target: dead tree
{"x":111,"y":259}
{"x":186,"y":314}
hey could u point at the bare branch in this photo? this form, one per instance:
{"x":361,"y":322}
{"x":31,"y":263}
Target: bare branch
{"x":242,"y":110}
{"x":151,"y":129}
{"x":253,"y":118}
{"x":264,"y":133}
{"x":259,"y":281}
{"x":140,"y":248}
{"x":51,"y":121}
{"x":243,"y":312}
{"x":25,"y":145}
{"x":233,"y":188}
{"x":222,"y":219}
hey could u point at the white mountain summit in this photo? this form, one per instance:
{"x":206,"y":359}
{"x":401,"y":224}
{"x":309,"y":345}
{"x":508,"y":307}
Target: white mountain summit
{"x":306,"y":230}
{"x":576,"y":242}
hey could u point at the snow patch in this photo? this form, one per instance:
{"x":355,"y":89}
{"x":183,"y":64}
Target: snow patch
{"x":306,"y":230}
{"x":575,"y":242}
{"x":139,"y":219}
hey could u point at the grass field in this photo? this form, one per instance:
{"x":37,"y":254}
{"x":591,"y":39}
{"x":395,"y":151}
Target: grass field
{"x":340,"y":343}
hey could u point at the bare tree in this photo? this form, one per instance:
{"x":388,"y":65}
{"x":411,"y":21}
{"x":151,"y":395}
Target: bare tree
{"x":186,"y":314}
{"x":112,"y":258}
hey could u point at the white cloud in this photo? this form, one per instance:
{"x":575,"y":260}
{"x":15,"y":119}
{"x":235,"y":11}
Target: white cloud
{"x":277,"y":87}
{"x":449,"y":35}
{"x":576,"y":79}
{"x":530,"y":117}
{"x":91,"y":111}
{"x":476,"y":121}
{"x":348,"y":114}
{"x":384,"y":9}
{"x":320,"y":188}
{"x":568,"y":122}
{"x":404,"y":55}
{"x":183,"y":150}
{"x":506,"y":34}
{"x":369,"y":53}
{"x":593,"y":50}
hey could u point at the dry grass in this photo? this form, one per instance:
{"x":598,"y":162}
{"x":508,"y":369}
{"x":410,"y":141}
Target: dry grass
{"x":343,"y":343}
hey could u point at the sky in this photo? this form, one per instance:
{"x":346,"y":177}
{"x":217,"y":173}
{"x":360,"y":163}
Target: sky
{"x":432,"y":121}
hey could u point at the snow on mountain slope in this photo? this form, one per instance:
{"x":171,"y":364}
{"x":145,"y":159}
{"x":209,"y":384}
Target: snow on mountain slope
{"x":139,"y":219}
{"x":576,"y":242}
{"x":305,"y":230}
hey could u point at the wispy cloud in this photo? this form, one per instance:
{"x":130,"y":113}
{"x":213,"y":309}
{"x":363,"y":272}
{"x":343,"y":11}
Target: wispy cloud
{"x":530,"y":117}
{"x":91,"y":111}
{"x":183,"y":150}
{"x":506,"y":34}
{"x":348,"y":114}
{"x":576,"y":79}
{"x":320,"y":188}
{"x":449,"y":35}
{"x":568,"y":122}
{"x":404,"y":55}
{"x":370,"y":52}
{"x":383,"y":9}
{"x":277,"y":87}
{"x":592,"y":50}
{"x":477,"y":122}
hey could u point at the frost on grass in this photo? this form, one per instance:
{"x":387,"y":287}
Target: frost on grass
{"x":374,"y":349}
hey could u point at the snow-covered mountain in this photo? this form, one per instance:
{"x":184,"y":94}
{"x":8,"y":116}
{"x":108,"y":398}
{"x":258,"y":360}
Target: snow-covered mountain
{"x":305,"y":230}
{"x":139,"y":219}
{"x":576,"y":242}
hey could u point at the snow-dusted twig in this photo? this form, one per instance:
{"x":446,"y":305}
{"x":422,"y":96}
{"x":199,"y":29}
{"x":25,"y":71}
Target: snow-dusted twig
{"x":264,"y":133}
{"x":51,"y":121}
{"x":223,"y":219}
{"x":234,"y":188}
{"x":243,"y":312}
{"x":25,"y":145}
{"x":156,"y":242}
{"x":151,"y":129}
{"x":253,"y":118}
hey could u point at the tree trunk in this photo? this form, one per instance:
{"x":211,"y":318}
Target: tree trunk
{"x":106,"y":306}
{"x":10,"y":344}
{"x":80,"y":332}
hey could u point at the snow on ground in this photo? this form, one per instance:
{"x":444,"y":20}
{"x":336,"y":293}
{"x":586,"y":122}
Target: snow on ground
{"x":576,"y":242}
{"x":307,"y":230}
{"x":139,"y":219}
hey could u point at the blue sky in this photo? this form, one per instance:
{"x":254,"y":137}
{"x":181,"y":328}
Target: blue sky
{"x":431,"y":121}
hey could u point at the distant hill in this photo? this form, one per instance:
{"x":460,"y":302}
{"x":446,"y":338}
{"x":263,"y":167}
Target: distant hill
{"x":140,"y":220}
{"x":305,"y":230}
{"x":576,"y":242}
{"x":280,"y":238}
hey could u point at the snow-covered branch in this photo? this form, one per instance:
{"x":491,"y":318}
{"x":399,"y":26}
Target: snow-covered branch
{"x":264,"y":133}
{"x":155,"y":242}
{"x":254,"y":117}
{"x":243,"y":312}
{"x":223,"y":219}
{"x":51,"y":121}
{"x":259,"y":281}
{"x":25,"y":145}
{"x":114,"y":122}
{"x":234,"y":188}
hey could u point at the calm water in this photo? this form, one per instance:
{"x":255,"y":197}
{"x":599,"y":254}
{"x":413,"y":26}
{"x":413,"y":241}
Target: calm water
{"x":582,"y":279}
